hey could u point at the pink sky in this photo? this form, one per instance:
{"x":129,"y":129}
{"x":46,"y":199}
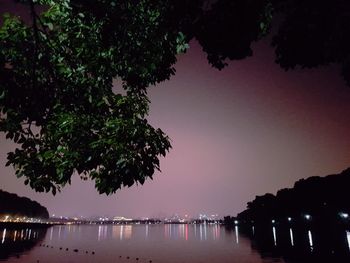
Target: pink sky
{"x":249,"y":129}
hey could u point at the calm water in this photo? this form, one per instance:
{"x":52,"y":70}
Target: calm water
{"x":138,"y":243}
{"x":115,"y":243}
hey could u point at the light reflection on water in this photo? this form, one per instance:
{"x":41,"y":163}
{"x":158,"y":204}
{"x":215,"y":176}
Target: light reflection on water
{"x":16,"y":242}
{"x":15,"y":236}
{"x":291,"y":237}
{"x":311,"y":243}
{"x":12,"y":236}
{"x":237,"y":234}
{"x":147,"y":231}
{"x":51,"y":233}
{"x":216,"y":232}
{"x":168,"y":243}
{"x":3,"y":236}
{"x":274,"y":236}
{"x":102,"y":232}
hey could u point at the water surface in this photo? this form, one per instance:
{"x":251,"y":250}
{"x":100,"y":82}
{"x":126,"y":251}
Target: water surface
{"x":172,"y":243}
{"x":166,"y":243}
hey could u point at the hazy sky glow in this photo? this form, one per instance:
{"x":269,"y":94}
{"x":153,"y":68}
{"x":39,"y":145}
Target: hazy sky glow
{"x":249,"y":129}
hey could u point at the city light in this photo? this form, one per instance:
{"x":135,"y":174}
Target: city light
{"x":289,"y":219}
{"x":344,"y":215}
{"x":78,"y":220}
{"x":307,"y":217}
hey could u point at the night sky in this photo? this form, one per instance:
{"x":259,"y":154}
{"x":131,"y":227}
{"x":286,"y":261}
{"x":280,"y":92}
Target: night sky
{"x":249,"y":129}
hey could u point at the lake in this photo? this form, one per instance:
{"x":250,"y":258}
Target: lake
{"x":166,"y":243}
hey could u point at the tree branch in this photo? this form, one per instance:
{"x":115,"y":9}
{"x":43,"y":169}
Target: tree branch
{"x":36,"y":40}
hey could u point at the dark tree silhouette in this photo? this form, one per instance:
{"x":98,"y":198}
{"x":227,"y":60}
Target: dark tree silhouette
{"x":319,"y":196}
{"x":12,"y":204}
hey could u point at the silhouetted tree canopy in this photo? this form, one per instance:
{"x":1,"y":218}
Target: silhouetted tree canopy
{"x":57,"y":71}
{"x":319,"y":196}
{"x":12,"y":204}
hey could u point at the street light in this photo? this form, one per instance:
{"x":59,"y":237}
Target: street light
{"x":344,"y":215}
{"x":307,"y":217}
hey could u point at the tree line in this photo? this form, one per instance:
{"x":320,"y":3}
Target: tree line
{"x":14,"y":205}
{"x":314,"y":197}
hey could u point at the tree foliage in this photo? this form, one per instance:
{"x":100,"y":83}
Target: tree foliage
{"x":319,"y":196}
{"x":57,"y":69}
{"x":14,"y":205}
{"x":57,"y":100}
{"x":313,"y":33}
